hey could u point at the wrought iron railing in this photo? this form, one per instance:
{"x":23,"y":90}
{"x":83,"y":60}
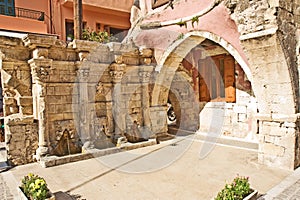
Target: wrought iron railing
{"x":31,"y":14}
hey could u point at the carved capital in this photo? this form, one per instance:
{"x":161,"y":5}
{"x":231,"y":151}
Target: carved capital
{"x":144,"y":76}
{"x":116,"y":76}
{"x":117,"y":72}
{"x":83,"y":74}
{"x":41,"y":73}
{"x":40,"y":69}
{"x":145,"y":73}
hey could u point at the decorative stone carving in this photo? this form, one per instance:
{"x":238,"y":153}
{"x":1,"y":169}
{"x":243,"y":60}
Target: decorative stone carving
{"x":144,"y":76}
{"x":118,"y":59}
{"x":66,"y":139}
{"x":117,"y":72}
{"x":40,"y":53}
{"x":83,"y":55}
{"x":83,"y":74}
{"x":40,"y":69}
{"x":8,"y":91}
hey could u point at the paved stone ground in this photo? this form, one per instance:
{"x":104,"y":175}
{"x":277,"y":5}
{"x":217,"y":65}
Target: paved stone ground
{"x":172,"y":182}
{"x":5,"y":193}
{"x":186,"y":177}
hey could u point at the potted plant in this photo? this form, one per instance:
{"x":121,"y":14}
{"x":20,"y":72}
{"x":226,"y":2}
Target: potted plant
{"x":239,"y":189}
{"x":34,"y":187}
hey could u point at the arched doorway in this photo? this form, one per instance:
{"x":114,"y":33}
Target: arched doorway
{"x":275,"y":117}
{"x":205,"y":73}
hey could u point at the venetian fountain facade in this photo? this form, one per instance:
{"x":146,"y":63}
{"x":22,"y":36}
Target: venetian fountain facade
{"x":218,"y":61}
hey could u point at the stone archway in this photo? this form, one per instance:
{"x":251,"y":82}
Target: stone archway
{"x":168,"y":66}
{"x":169,"y":62}
{"x":269,"y":74}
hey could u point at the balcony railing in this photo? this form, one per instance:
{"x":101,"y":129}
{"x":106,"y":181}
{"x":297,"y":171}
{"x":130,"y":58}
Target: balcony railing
{"x":31,"y":14}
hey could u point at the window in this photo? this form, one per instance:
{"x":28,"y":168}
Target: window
{"x":69,"y":30}
{"x":117,"y":33}
{"x":98,"y":27}
{"x":7,"y":7}
{"x":69,"y":24}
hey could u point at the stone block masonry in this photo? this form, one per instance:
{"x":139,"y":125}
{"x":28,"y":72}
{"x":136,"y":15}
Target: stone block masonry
{"x":59,"y":98}
{"x":270,"y":44}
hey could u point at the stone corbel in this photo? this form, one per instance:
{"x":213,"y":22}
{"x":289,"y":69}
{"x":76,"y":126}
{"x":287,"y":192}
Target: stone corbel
{"x":40,"y":53}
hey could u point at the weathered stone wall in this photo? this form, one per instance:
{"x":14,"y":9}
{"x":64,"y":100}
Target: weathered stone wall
{"x":59,"y":97}
{"x":91,"y":93}
{"x":268,"y":34}
{"x":287,"y":34}
{"x":184,"y":101}
{"x":21,"y":139}
{"x":270,"y":43}
{"x":21,"y":132}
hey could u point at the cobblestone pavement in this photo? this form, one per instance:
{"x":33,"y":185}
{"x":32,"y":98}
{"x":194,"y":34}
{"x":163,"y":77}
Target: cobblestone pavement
{"x":5,"y":193}
{"x":287,"y":189}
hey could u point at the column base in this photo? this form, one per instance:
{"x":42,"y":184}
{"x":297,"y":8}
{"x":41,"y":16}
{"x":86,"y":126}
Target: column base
{"x":41,"y":152}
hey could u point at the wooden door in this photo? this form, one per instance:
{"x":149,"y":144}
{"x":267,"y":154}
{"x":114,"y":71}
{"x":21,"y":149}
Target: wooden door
{"x":229,"y":79}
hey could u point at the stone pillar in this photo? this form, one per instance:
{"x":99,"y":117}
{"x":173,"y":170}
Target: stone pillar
{"x":145,"y":74}
{"x":158,"y":116}
{"x":117,"y":72}
{"x":40,"y":71}
{"x":84,"y":114}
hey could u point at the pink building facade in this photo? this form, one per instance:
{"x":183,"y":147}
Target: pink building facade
{"x":56,"y":16}
{"x":244,"y":70}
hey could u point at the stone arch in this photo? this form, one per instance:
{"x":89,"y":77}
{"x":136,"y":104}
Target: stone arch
{"x":168,"y":64}
{"x":272,"y":84}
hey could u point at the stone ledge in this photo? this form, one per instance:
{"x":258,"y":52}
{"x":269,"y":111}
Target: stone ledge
{"x":270,"y":31}
{"x":51,"y":161}
{"x":278,"y":117}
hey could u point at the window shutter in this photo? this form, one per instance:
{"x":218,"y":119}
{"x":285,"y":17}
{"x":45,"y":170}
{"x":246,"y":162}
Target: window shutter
{"x":229,"y":81}
{"x":204,"y":94}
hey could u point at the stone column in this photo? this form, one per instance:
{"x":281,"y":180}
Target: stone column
{"x":145,"y":74}
{"x":84,"y":119}
{"x":40,"y":70}
{"x":117,"y":72}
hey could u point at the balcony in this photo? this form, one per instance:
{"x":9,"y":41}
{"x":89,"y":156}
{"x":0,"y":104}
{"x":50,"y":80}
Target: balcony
{"x":24,"y":20}
{"x":30,"y":14}
{"x":116,"y":5}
